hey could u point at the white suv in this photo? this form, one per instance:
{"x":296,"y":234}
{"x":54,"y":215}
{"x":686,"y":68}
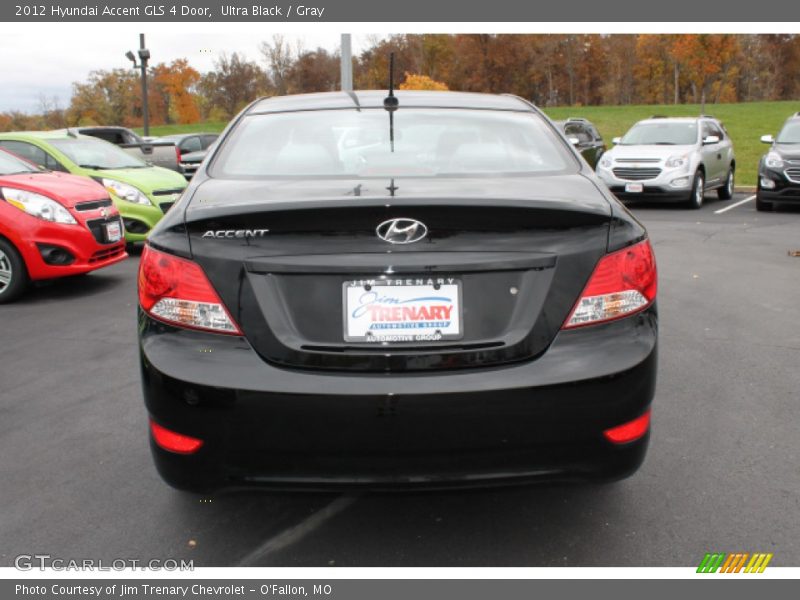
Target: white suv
{"x":671,"y":159}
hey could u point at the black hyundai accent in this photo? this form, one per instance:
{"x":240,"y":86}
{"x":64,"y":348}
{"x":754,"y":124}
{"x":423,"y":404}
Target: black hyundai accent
{"x":427,"y":289}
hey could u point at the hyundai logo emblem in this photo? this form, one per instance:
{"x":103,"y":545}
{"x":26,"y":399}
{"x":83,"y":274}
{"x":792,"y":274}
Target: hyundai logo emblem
{"x":401,"y":231}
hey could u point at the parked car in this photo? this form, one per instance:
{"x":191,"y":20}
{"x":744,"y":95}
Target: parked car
{"x":141,"y":192}
{"x":52,"y":225}
{"x":464,"y":303}
{"x":191,"y":161}
{"x":585,"y":137}
{"x":779,"y":169}
{"x":160,"y":153}
{"x":192,"y":149}
{"x":674,"y":159}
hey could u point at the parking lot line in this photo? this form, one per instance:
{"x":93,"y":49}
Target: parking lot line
{"x":297,"y":532}
{"x":739,"y":203}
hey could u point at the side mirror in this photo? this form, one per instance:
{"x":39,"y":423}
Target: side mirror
{"x":616,"y":140}
{"x":711,"y":139}
{"x":767,"y":139}
{"x":573,"y":140}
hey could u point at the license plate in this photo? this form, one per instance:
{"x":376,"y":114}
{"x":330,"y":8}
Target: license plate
{"x":634,"y":188}
{"x":403,"y":310}
{"x":113,"y":232}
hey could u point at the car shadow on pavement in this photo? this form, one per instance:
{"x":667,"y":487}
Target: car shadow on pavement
{"x":76,"y":286}
{"x":540,"y":524}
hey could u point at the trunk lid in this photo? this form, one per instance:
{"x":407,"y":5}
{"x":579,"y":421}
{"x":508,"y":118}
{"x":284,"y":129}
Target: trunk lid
{"x":281,"y":254}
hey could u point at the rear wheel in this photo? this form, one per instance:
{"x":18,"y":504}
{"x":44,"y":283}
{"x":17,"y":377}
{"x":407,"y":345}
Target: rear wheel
{"x":698,"y":191}
{"x":726,"y":191}
{"x":763,"y":205}
{"x":13,"y":275}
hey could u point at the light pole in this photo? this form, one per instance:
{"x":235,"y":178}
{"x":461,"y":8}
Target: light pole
{"x":346,"y":64}
{"x":144,"y":57}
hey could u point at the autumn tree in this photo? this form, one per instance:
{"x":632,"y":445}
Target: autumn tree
{"x":52,"y":114}
{"x":232,"y":84}
{"x":106,"y":98}
{"x":177,"y":83}
{"x":421,"y":82}
{"x":279,"y":58}
{"x":314,"y":71}
{"x":709,"y":62}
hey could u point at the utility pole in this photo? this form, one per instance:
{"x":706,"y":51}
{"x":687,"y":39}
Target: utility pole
{"x":144,"y":57}
{"x":347,"y":64}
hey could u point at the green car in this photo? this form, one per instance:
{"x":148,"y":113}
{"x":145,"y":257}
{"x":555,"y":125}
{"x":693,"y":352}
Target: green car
{"x":141,"y":192}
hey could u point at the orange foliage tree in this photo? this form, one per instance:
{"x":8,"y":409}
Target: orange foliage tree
{"x":422,"y":82}
{"x":177,"y":83}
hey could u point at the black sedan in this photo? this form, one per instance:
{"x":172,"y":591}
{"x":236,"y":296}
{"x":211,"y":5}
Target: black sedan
{"x":427,"y":289}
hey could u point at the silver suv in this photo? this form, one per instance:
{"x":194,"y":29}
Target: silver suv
{"x":671,"y":159}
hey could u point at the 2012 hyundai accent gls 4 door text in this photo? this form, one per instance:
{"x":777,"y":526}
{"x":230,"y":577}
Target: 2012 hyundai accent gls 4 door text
{"x":426,"y":289}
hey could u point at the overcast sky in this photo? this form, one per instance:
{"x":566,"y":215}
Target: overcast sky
{"x":36,"y":62}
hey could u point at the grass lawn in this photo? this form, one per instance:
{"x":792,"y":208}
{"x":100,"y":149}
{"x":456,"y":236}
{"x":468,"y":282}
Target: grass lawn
{"x":746,"y":123}
{"x":206,"y":127}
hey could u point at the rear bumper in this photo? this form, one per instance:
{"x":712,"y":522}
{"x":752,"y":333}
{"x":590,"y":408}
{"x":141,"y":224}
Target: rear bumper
{"x":264,"y":425}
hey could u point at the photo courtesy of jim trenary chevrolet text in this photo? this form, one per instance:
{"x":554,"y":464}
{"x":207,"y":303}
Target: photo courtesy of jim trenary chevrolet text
{"x":355,"y":299}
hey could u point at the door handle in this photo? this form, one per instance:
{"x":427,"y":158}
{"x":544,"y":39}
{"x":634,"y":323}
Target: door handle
{"x":719,"y":156}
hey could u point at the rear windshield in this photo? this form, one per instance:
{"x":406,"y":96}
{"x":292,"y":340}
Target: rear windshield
{"x":410,"y":142}
{"x":92,"y":153}
{"x":661,"y":134}
{"x":790,"y":134}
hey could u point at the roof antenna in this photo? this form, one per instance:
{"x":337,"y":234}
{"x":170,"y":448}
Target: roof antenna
{"x":390,"y":103}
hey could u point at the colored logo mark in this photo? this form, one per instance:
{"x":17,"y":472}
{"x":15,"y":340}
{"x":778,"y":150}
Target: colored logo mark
{"x":734,"y":562}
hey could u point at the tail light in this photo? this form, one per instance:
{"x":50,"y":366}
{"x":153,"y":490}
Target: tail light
{"x":623,"y":283}
{"x":630,"y":431}
{"x":178,"y":154}
{"x":172,"y":441}
{"x":177,"y":291}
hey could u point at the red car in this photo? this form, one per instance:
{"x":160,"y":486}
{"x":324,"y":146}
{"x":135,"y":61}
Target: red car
{"x":52,"y":225}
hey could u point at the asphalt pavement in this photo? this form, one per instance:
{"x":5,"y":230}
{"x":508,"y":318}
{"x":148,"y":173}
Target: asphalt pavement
{"x":722,"y":473}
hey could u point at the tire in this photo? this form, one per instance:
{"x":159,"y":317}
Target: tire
{"x":13,"y":274}
{"x":726,"y":191}
{"x":763,"y":205}
{"x":698,"y":191}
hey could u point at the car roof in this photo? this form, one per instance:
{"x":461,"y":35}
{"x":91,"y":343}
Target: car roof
{"x":676,"y":119}
{"x":180,"y":136}
{"x":57,"y":134}
{"x":374,"y":99}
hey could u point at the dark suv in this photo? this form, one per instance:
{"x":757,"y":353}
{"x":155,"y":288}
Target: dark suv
{"x":779,"y":170}
{"x":585,"y":137}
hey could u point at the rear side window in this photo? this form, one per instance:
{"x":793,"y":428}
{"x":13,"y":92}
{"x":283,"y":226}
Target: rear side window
{"x":191,"y":144}
{"x":115,"y":137}
{"x":579,"y":131}
{"x":714,"y":130}
{"x":414,"y":142}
